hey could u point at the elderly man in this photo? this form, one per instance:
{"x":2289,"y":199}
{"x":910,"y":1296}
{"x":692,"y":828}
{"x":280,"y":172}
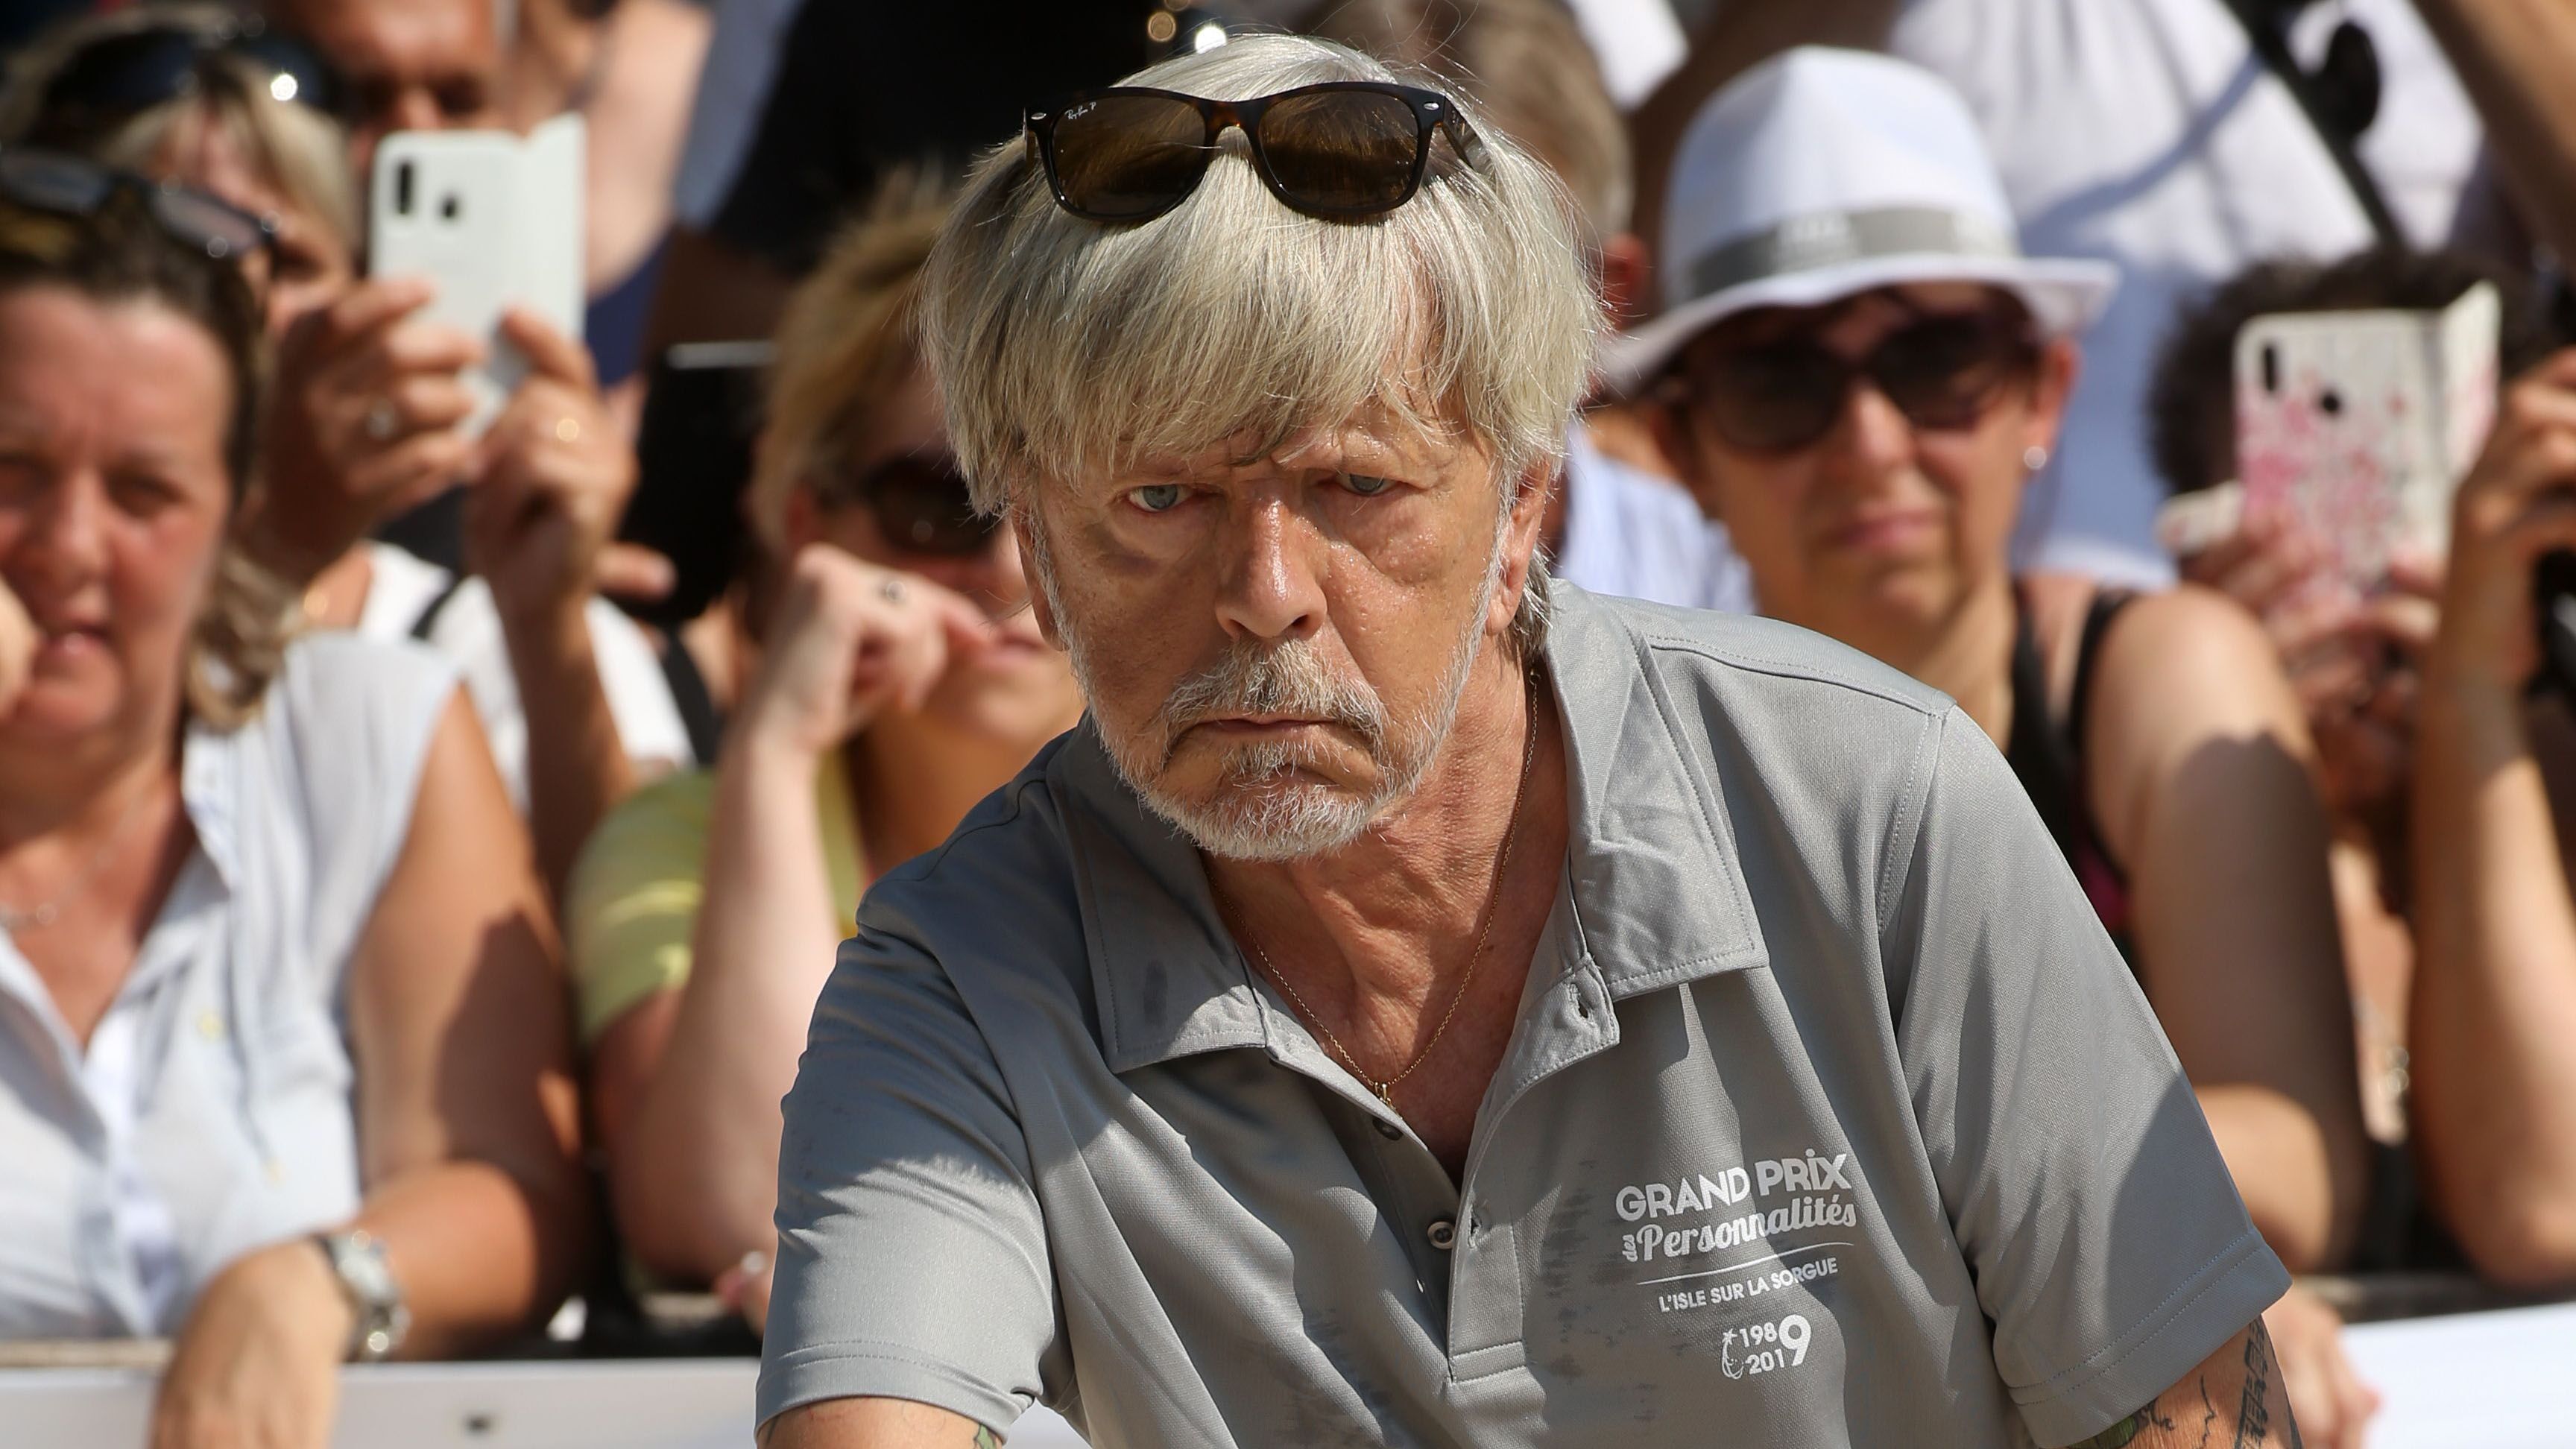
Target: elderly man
{"x":1405,"y":1012}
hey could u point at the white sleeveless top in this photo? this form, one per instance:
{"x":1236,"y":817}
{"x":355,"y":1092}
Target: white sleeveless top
{"x":213,"y":1111}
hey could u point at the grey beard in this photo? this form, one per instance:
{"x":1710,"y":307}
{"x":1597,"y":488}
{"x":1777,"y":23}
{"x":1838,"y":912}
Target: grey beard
{"x":1290,"y":819}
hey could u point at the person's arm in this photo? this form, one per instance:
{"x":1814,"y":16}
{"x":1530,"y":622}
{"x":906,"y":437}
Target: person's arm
{"x":695,"y":1076}
{"x":2202,"y":777}
{"x":2513,"y":57}
{"x":466,"y":1129}
{"x":553,"y":475}
{"x":2494,"y":1003}
{"x":874,"y":1424}
{"x":2235,"y":1398}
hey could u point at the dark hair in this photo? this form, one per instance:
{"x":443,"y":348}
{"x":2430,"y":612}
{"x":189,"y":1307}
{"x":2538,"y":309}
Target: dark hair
{"x":2191,"y":401}
{"x":120,"y":254}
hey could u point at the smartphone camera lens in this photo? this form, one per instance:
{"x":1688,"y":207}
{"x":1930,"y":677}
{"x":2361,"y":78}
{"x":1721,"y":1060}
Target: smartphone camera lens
{"x":449,"y":207}
{"x":402,"y":188}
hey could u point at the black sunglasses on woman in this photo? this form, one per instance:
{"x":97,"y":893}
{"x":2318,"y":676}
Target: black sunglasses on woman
{"x":42,"y":180}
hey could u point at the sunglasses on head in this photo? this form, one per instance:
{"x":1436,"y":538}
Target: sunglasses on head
{"x":1341,"y":150}
{"x":1941,"y":371}
{"x":921,"y":506}
{"x":49,"y":181}
{"x":118,"y":76}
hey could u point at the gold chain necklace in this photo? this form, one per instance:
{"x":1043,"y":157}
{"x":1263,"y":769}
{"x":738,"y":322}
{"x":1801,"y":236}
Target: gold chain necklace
{"x":1385,"y":1090}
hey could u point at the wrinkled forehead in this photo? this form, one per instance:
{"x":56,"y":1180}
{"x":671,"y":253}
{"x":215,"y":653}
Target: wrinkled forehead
{"x":402,"y":40}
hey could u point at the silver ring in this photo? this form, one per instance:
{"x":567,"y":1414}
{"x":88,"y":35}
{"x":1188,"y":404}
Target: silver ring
{"x":891,"y":590}
{"x":382,"y":420}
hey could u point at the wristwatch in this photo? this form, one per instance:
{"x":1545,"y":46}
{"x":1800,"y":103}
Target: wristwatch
{"x":367,"y":1281}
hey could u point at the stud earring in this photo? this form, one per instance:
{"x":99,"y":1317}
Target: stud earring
{"x":2034,"y":458}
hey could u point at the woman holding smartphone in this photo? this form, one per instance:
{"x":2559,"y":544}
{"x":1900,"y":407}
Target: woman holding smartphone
{"x":898,"y":678}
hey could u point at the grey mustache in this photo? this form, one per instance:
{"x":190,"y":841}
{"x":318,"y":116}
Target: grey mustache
{"x":1290,"y":678}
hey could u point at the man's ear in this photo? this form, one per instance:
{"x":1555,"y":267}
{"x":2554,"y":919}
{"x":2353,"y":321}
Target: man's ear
{"x":1041,"y":606}
{"x":1522,"y":537}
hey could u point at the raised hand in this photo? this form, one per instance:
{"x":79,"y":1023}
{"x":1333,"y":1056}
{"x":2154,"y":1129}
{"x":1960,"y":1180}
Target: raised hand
{"x":362,"y":423}
{"x":550,"y":480}
{"x":850,"y":642}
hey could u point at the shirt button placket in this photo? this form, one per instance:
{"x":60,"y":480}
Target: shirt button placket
{"x":1443,"y":1234}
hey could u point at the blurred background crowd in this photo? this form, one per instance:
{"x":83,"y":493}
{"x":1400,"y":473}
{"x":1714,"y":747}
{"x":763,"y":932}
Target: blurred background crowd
{"x":435,"y":768}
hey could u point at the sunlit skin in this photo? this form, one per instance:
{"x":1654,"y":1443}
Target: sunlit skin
{"x":411,"y":65}
{"x":1375,"y":545}
{"x":113,"y":499}
{"x":1013,"y":695}
{"x":1368,"y":541}
{"x":305,"y":264}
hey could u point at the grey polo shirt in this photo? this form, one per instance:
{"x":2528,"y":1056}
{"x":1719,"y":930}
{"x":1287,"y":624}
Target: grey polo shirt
{"x":1831,"y":1116}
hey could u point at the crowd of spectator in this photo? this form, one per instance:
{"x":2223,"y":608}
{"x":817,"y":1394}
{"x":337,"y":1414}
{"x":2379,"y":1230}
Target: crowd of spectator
{"x":377,"y":864}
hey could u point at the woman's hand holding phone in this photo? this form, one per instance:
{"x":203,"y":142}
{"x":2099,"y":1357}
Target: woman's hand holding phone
{"x":2517,"y":505}
{"x":852,"y":641}
{"x":549,"y":481}
{"x":363,"y":424}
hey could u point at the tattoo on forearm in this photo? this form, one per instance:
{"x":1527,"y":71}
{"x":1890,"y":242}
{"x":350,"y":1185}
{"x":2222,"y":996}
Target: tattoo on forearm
{"x":2254,"y":1411}
{"x":2127,"y":1429}
{"x":985,"y":1438}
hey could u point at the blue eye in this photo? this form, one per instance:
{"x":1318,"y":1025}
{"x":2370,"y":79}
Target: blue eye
{"x":1366,"y":486}
{"x":1157,"y":497}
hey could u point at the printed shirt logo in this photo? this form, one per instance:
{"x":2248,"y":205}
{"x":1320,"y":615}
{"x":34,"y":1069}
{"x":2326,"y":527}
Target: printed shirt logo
{"x":1734,"y":1209}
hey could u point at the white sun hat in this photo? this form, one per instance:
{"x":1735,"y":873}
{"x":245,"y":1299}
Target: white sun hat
{"x":1823,"y":173}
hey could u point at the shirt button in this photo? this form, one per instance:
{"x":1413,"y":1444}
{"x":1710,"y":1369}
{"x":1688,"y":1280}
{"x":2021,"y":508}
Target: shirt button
{"x":1442,"y":1233}
{"x":1388,"y":1130}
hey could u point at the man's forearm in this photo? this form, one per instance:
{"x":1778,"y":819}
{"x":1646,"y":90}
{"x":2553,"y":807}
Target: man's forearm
{"x":874,"y":1424}
{"x":577,"y":766}
{"x":2234,"y":1400}
{"x":2514,"y":57}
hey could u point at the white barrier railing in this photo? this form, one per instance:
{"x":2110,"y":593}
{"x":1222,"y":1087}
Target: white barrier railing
{"x":2502,"y":1380}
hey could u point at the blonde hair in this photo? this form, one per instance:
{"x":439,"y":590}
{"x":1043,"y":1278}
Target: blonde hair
{"x":300,"y":151}
{"x":1527,"y":63}
{"x":846,"y":343}
{"x":1064,"y":348}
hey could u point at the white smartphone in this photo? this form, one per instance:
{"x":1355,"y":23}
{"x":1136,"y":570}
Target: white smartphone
{"x":2358,"y":425}
{"x":495,"y":220}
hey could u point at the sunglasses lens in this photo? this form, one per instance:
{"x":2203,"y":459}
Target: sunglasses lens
{"x":1342,"y":151}
{"x":1942,"y":372}
{"x":205,"y":223}
{"x":922,"y":508}
{"x":1121,"y":158}
{"x":54,"y":183}
{"x":1772,"y":398}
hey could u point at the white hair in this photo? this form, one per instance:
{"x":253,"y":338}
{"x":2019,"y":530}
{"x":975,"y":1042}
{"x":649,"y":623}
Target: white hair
{"x":1065,"y":348}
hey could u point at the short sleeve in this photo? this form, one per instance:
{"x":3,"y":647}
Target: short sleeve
{"x":912,"y":1257}
{"x":631,"y":907}
{"x":2110,"y":1249}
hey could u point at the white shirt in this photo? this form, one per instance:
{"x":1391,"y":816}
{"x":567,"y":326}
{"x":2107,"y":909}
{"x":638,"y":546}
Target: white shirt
{"x":1634,"y":535}
{"x":468,"y":631}
{"x":2147,"y":133}
{"x":211,"y":1112}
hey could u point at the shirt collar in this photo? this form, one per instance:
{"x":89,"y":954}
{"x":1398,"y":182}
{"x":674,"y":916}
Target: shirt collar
{"x":1658,"y":893}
